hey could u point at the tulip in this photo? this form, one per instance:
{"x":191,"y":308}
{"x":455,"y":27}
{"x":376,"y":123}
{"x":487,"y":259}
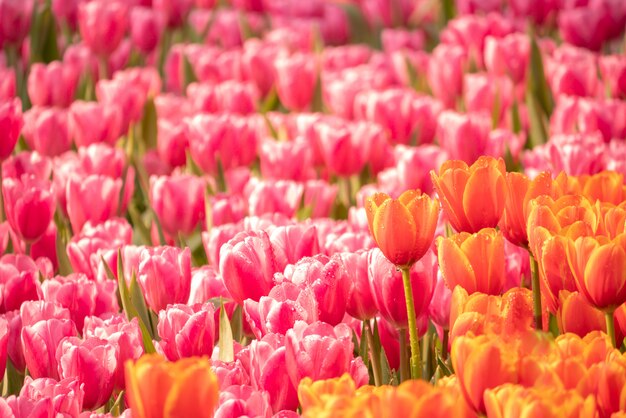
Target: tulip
{"x":174,"y":11}
{"x":40,"y":341}
{"x":473,"y":261}
{"x":577,"y":316}
{"x":53,"y":84}
{"x":47,"y":397}
{"x":243,"y":400}
{"x":472,"y":197}
{"x":318,"y":351}
{"x":290,"y":160}
{"x":295,"y":80}
{"x":257,"y":60}
{"x":94,"y":198}
{"x":613,"y":70}
{"x":186,"y":331}
{"x":27,"y":162}
{"x":157,"y":388}
{"x":267,"y":196}
{"x":361,"y":304}
{"x":178,"y":202}
{"x":172,"y":142}
{"x":4,"y":342}
{"x":11,"y":123}
{"x":102,"y":25}
{"x":599,"y":269}
{"x":125,"y":95}
{"x":404,"y":228}
{"x":342,"y":149}
{"x":8,"y":83}
{"x":146,"y":28}
{"x":164,"y":275}
{"x":328,"y":278}
{"x":15,"y":17}
{"x":467,"y":136}
{"x":125,"y":336}
{"x":29,"y":205}
{"x":572,"y":71}
{"x":92,"y":362}
{"x":74,"y":292}
{"x":248,"y":263}
{"x":447,"y":85}
{"x":92,"y":122}
{"x":46,"y":130}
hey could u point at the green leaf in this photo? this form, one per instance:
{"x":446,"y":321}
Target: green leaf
{"x":269,"y":103}
{"x":117,"y":406}
{"x":149,"y":125}
{"x":189,"y":75}
{"x":236,"y":322}
{"x":138,"y":301}
{"x":360,"y":30}
{"x":65,"y":267}
{"x":447,"y":11}
{"x":14,"y":380}
{"x":317,"y":103}
{"x":363,"y":347}
{"x":225,"y":343}
{"x":538,"y":134}
{"x":537,"y":84}
{"x":43,"y":37}
{"x":220,"y":178}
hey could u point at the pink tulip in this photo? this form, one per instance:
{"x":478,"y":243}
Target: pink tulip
{"x":398,"y":39}
{"x":282,"y":197}
{"x":178,"y":202}
{"x":445,"y":73}
{"x":466,"y":136}
{"x":164,"y":274}
{"x":539,"y":11}
{"x":266,"y":364}
{"x":588,"y":116}
{"x":319,"y":196}
{"x":248,"y":263}
{"x":228,"y":139}
{"x":29,"y":205}
{"x":94,"y":198}
{"x":318,"y":351}
{"x":186,"y":331}
{"x":11,"y":123}
{"x":295,"y":80}
{"x":387,"y":288}
{"x":46,"y":130}
{"x":389,"y":14}
{"x":125,"y":336}
{"x":343,"y":57}
{"x":4,"y":342}
{"x":79,"y":56}
{"x":172,"y":142}
{"x":213,"y":240}
{"x":477,"y":6}
{"x":293,"y":242}
{"x":92,"y":362}
{"x":47,"y":397}
{"x":613,"y":70}
{"x":29,"y":163}
{"x":124,"y":95}
{"x":508,"y":55}
{"x":40,"y":342}
{"x":53,"y":84}
{"x":15,"y":16}
{"x":74,"y":292}
{"x":92,"y":122}
{"x":66,"y":11}
{"x":343,"y":149}
{"x":290,"y":160}
{"x":8,"y":83}
{"x":277,"y":312}
{"x":572,"y":71}
{"x":226,"y":209}
{"x":239,"y":401}
{"x":146,"y":28}
{"x":361,"y":303}
{"x":175,"y":11}
{"x":586,"y":27}
{"x":257,"y":59}
{"x":87,"y":248}
{"x":206,"y":283}
{"x":102,"y":25}
{"x":439,"y":309}
{"x":227,"y":97}
{"x":34,"y":311}
{"x":492,"y":95}
{"x":328,"y":278}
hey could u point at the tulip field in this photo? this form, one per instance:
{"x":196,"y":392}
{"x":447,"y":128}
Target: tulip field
{"x":313,"y":208}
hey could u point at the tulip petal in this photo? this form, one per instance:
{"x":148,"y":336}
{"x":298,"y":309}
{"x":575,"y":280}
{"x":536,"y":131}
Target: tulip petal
{"x":395,"y":232}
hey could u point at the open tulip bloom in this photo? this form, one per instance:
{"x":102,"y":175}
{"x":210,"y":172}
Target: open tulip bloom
{"x":312,"y":208}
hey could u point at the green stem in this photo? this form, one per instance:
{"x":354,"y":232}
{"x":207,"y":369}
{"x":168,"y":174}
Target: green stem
{"x":610,"y":326}
{"x":413,"y":335}
{"x":374,"y":352}
{"x":426,"y":355}
{"x":404,"y":361}
{"x":444,"y":345}
{"x":534,"y":270}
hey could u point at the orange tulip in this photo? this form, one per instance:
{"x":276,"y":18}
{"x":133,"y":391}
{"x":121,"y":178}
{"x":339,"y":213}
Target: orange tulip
{"x":481,"y":363}
{"x":473,"y":197}
{"x":403,"y":228}
{"x":520,"y":191}
{"x":157,"y":388}
{"x":473,"y":261}
{"x":513,"y":401}
{"x":555,"y":274}
{"x":577,"y":316}
{"x":606,"y":186}
{"x":599,"y":269}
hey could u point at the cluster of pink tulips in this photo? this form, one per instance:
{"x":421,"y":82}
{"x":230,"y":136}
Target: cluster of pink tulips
{"x":318,"y":208}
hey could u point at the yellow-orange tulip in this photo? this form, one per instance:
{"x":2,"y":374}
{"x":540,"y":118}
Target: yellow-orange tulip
{"x":513,"y":401}
{"x":403,"y":228}
{"x":473,"y":261}
{"x":599,"y":269}
{"x":606,"y":186}
{"x":473,"y":197}
{"x":158,"y":388}
{"x":577,"y":316}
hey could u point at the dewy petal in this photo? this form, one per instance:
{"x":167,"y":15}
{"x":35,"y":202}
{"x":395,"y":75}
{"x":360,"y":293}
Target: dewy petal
{"x":455,"y":266}
{"x":372,"y":204}
{"x":577,"y":255}
{"x":605,"y":276}
{"x":450,"y":185}
{"x":395,"y":233}
{"x":484,"y":197}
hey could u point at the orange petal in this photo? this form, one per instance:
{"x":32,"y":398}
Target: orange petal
{"x":395,"y":232}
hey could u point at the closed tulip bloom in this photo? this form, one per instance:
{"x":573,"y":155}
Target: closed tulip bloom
{"x":40,"y":342}
{"x":178,"y":201}
{"x":8,"y":83}
{"x":575,"y":315}
{"x":53,"y":84}
{"x":11,"y":122}
{"x":93,"y":122}
{"x":599,"y":269}
{"x":472,"y":197}
{"x":164,"y":275}
{"x":361,"y":304}
{"x":296,"y":76}
{"x":248,"y":263}
{"x":172,"y":142}
{"x":403,"y":228}
{"x":29,"y":205}
{"x":473,"y":261}
{"x":47,"y":397}
{"x":102,"y":25}
{"x":92,"y":362}
{"x":388,"y":291}
{"x":46,"y":130}
{"x":94,"y":198}
{"x":146,"y":28}
{"x":74,"y":292}
{"x":186,"y":331}
{"x":158,"y":388}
